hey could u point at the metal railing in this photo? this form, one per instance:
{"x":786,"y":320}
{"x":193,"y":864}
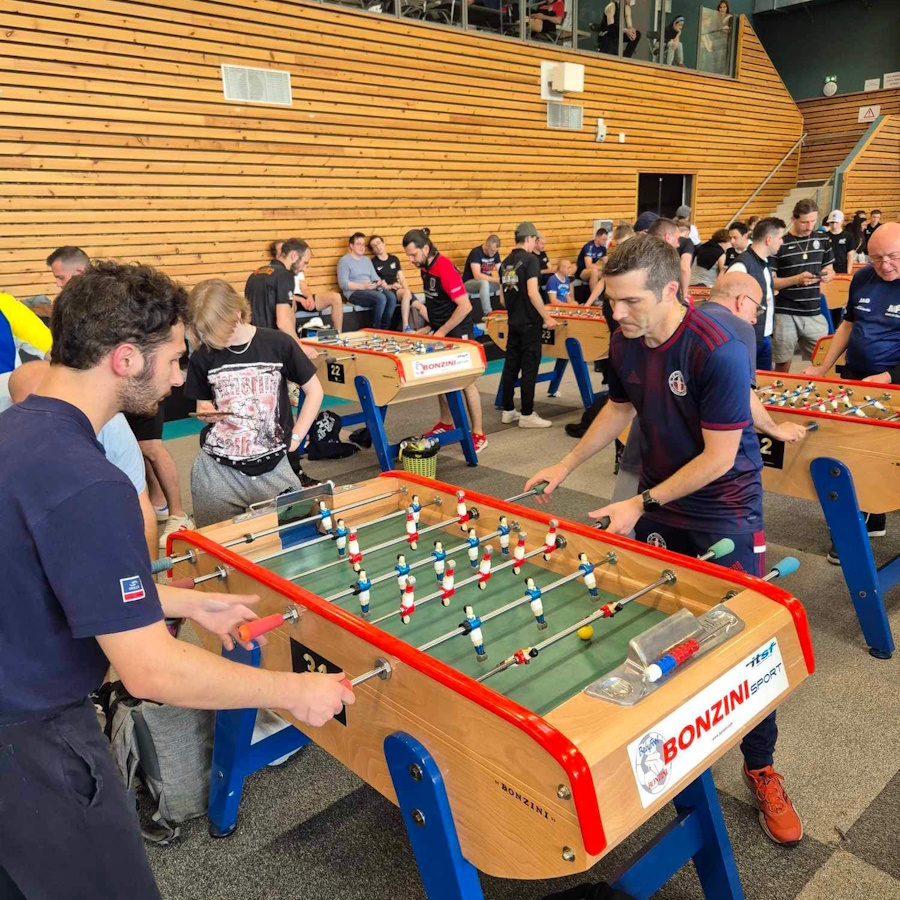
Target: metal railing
{"x":769,"y":177}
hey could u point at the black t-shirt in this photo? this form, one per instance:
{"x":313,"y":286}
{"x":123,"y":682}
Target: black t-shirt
{"x":686,"y":245}
{"x":387,"y":269}
{"x":515,"y":271}
{"x":807,"y":254}
{"x":841,"y":245}
{"x":708,"y":254}
{"x":252,"y":384}
{"x":730,"y":256}
{"x":868,"y":231}
{"x":487,"y":263}
{"x":268,"y":286}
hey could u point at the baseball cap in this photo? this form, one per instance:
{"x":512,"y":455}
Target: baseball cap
{"x":683,"y":212}
{"x":835,"y":216}
{"x":526,"y":229}
{"x":645,"y":220}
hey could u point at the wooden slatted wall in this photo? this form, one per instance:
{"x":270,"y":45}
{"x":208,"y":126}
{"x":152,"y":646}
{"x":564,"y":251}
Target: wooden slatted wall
{"x":115,"y":136}
{"x":872,"y":181}
{"x":833,"y":130}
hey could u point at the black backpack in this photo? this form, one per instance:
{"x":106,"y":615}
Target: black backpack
{"x":325,"y":438}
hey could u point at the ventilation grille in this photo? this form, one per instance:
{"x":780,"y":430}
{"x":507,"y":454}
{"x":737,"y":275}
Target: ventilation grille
{"x":565,"y":115}
{"x":243,"y":85}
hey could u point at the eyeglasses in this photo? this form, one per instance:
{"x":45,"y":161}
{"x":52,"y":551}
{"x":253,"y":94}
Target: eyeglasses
{"x":893,"y":258}
{"x":759,"y":306}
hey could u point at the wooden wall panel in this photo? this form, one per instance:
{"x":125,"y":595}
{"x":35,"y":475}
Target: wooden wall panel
{"x":833,"y":130}
{"x":872,"y":180}
{"x":114,"y":135}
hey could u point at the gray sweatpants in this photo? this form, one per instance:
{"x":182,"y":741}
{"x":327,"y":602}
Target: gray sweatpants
{"x":221,"y":492}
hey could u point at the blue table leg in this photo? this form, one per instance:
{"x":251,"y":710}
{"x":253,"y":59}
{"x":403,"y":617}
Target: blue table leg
{"x":698,"y":833}
{"x":834,"y":485}
{"x":558,"y":371}
{"x":374,"y":418}
{"x":234,"y":757}
{"x":425,"y":808}
{"x":462,"y":432}
{"x":580,"y":371}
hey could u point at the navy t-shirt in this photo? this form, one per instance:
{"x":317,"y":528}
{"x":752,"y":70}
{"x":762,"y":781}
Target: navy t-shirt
{"x":698,"y":379}
{"x":743,"y":331}
{"x":77,"y":565}
{"x":874,"y":309}
{"x":590,"y":249}
{"x":486,"y":261}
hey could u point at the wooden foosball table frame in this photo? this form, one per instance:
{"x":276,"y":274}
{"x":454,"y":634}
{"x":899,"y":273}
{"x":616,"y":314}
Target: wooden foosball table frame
{"x":483,"y":783}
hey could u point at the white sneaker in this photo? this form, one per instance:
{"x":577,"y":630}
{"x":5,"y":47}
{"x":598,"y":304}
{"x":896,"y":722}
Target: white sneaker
{"x":509,"y":416}
{"x":555,"y":394}
{"x":162,"y":513}
{"x":173,"y":523}
{"x":534,"y":421}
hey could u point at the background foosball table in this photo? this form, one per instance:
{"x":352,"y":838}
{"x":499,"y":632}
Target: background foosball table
{"x":581,"y":336}
{"x":848,"y":463}
{"x":378,"y":368}
{"x":532,"y":706}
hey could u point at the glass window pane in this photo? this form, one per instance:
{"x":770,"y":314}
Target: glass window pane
{"x":385,"y":7}
{"x":680,"y":33}
{"x":439,"y":12}
{"x":550,"y":21}
{"x":607,"y":21}
{"x":718,"y":32}
{"x":494,"y":16}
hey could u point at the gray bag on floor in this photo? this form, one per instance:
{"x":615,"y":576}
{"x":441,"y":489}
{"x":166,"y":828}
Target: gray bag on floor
{"x":169,"y":749}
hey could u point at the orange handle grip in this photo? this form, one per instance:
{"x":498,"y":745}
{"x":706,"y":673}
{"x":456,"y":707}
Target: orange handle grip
{"x":345,"y":682}
{"x":250,"y":630}
{"x":186,"y":583}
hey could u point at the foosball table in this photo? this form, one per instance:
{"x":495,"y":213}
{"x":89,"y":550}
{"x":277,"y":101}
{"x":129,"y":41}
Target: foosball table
{"x":528,"y":690}
{"x":849,"y":462}
{"x":378,"y":368}
{"x":580,"y":336}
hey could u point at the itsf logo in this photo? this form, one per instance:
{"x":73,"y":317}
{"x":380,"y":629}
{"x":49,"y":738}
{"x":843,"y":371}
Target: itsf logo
{"x":761,"y":656}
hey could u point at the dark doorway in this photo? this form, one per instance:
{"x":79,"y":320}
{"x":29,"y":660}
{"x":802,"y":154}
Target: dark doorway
{"x":662,"y":193}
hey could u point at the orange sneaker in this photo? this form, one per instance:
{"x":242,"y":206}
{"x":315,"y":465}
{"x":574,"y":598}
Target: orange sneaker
{"x":777,"y":816}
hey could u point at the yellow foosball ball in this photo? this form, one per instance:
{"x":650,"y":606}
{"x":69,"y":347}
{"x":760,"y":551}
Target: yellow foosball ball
{"x":528,"y":690}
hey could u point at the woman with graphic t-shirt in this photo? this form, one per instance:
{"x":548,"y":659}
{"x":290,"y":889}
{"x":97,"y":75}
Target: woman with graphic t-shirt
{"x":238,"y":375}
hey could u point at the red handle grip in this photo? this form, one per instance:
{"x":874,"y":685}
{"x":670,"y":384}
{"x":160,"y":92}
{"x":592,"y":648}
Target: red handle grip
{"x":250,"y":630}
{"x":186,"y":583}
{"x":345,"y":682}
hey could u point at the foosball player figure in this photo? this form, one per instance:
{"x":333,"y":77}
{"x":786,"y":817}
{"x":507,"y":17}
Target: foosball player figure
{"x":462,"y":514}
{"x":537,"y":605}
{"x":340,"y":537}
{"x":408,"y":600}
{"x":550,"y":539}
{"x":473,"y":541}
{"x":587,"y":568}
{"x":503,"y":528}
{"x":519,"y":553}
{"x":447,"y":588}
{"x":472,"y":627}
{"x":354,"y":553}
{"x":412,"y":530}
{"x":416,"y":508}
{"x":484,"y":568}
{"x":402,"y":570}
{"x":362,"y":589}
{"x":325,"y":516}
{"x":440,"y":557}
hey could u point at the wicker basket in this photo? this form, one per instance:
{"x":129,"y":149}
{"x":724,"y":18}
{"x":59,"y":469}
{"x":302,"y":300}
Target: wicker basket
{"x":419,"y":456}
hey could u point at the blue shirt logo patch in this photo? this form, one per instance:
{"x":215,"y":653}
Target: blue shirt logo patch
{"x":132,"y":589}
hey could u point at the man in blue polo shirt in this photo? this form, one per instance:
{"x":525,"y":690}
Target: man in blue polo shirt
{"x":870,"y":332}
{"x":687,"y":378}
{"x":77,"y":595}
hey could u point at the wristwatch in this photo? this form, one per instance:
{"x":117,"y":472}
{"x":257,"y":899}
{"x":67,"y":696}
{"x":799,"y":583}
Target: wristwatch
{"x":650,"y":504}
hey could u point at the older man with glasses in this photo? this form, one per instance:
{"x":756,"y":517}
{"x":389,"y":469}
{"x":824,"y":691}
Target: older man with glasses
{"x":870,"y":332}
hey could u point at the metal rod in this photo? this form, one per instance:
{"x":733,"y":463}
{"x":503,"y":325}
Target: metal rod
{"x":769,"y":177}
{"x":534,"y":492}
{"x":525,"y":598}
{"x":382,"y":670}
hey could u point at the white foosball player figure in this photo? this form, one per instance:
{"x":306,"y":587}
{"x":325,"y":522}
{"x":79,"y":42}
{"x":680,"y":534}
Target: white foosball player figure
{"x":447,"y":588}
{"x":408,"y":600}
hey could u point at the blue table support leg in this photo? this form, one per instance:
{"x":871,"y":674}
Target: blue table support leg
{"x":698,"y":833}
{"x":834,"y":485}
{"x":580,"y":371}
{"x":374,"y":417}
{"x":462,"y":433}
{"x":425,"y":808}
{"x":234,"y":757}
{"x":557,"y":376}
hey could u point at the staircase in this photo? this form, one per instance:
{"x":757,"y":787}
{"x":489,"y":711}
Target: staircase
{"x":821,"y":193}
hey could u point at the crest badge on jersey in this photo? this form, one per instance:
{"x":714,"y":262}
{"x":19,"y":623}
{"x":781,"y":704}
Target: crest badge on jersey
{"x":816,"y":245}
{"x":676,"y":383}
{"x":655,"y":539}
{"x":132,"y":589}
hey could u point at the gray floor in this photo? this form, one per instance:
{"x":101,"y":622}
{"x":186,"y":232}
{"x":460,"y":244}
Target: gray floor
{"x":311,"y":829}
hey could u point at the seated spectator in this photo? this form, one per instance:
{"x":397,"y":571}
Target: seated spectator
{"x":243,"y":371}
{"x":709,"y":259}
{"x":480,"y":272}
{"x":589,"y":265}
{"x":21,"y":331}
{"x":64,"y":263}
{"x":674,"y":47}
{"x":608,"y":29}
{"x":361,"y":285}
{"x":560,"y":282}
{"x":387,"y":267}
{"x":547,"y":17}
{"x":322,"y":301}
{"x":739,"y":235}
{"x":541,"y":253}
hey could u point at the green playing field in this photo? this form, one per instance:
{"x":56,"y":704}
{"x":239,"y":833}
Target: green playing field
{"x":558,"y":673}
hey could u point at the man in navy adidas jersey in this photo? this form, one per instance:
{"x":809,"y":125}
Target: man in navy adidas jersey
{"x":687,"y":378}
